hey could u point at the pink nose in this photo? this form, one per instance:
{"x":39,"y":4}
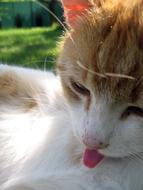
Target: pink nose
{"x":93,"y":143}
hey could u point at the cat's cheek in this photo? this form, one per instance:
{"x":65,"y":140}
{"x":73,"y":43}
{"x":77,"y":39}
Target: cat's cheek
{"x":87,"y":103}
{"x":127,"y":138}
{"x":78,"y":119}
{"x":79,"y":126}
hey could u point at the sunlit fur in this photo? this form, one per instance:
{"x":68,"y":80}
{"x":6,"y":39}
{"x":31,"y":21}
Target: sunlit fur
{"x":43,"y":120}
{"x":104,"y":53}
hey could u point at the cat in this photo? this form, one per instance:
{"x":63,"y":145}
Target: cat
{"x":81,"y":129}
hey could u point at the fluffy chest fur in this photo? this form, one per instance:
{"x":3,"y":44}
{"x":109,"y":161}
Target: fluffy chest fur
{"x":48,"y":123}
{"x":39,"y":149}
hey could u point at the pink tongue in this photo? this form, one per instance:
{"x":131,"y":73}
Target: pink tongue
{"x":92,"y":158}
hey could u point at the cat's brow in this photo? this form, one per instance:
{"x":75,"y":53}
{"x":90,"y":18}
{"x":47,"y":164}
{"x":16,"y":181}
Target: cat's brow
{"x":104,"y":75}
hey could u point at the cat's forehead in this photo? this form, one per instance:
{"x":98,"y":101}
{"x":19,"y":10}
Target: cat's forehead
{"x":106,"y":51}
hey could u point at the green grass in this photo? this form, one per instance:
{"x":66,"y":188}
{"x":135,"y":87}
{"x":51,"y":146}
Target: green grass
{"x":34,"y":47}
{"x":13,"y":0}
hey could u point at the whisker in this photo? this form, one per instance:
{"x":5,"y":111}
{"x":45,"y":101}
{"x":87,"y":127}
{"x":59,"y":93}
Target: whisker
{"x":47,"y":9}
{"x":45,"y":62}
{"x":59,"y":21}
{"x":103,"y":75}
{"x":136,"y":158}
{"x":119,"y":76}
{"x":106,"y":74}
{"x":90,"y":71}
{"x":41,"y":60}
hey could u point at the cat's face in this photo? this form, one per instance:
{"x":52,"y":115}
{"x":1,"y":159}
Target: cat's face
{"x":101,"y":67}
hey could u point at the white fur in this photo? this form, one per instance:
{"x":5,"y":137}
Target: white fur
{"x":35,"y":145}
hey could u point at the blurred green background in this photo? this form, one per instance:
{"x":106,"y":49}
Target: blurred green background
{"x":29,"y":33}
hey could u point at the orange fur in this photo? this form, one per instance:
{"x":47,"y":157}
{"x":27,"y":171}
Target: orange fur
{"x":108,"y":44}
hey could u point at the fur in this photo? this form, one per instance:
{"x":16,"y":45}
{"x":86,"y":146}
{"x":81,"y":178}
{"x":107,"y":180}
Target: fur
{"x":45,"y":120}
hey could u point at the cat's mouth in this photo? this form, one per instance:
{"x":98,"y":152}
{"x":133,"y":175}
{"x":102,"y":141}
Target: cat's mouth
{"x":92,"y":158}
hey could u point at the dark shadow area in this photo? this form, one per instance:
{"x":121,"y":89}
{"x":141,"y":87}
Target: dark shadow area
{"x":18,"y":20}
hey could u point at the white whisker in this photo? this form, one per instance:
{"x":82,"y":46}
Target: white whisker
{"x":47,"y":9}
{"x":105,"y":75}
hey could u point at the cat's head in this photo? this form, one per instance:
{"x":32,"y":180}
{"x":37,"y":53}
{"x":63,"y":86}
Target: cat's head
{"x":101,"y":68}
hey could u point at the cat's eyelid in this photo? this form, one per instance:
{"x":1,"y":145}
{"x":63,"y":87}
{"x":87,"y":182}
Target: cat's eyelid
{"x":132,"y":110}
{"x":79,"y":88}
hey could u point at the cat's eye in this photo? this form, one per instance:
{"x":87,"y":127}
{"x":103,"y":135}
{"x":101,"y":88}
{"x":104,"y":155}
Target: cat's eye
{"x":132,"y":110}
{"x":79,"y":88}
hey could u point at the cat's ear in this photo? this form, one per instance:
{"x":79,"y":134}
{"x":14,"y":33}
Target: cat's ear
{"x":74,"y":9}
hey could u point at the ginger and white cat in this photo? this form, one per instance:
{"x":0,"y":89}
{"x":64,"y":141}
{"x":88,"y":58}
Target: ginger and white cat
{"x":54,"y":130}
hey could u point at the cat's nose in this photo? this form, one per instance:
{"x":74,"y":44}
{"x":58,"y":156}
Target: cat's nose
{"x":94,"y":143}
